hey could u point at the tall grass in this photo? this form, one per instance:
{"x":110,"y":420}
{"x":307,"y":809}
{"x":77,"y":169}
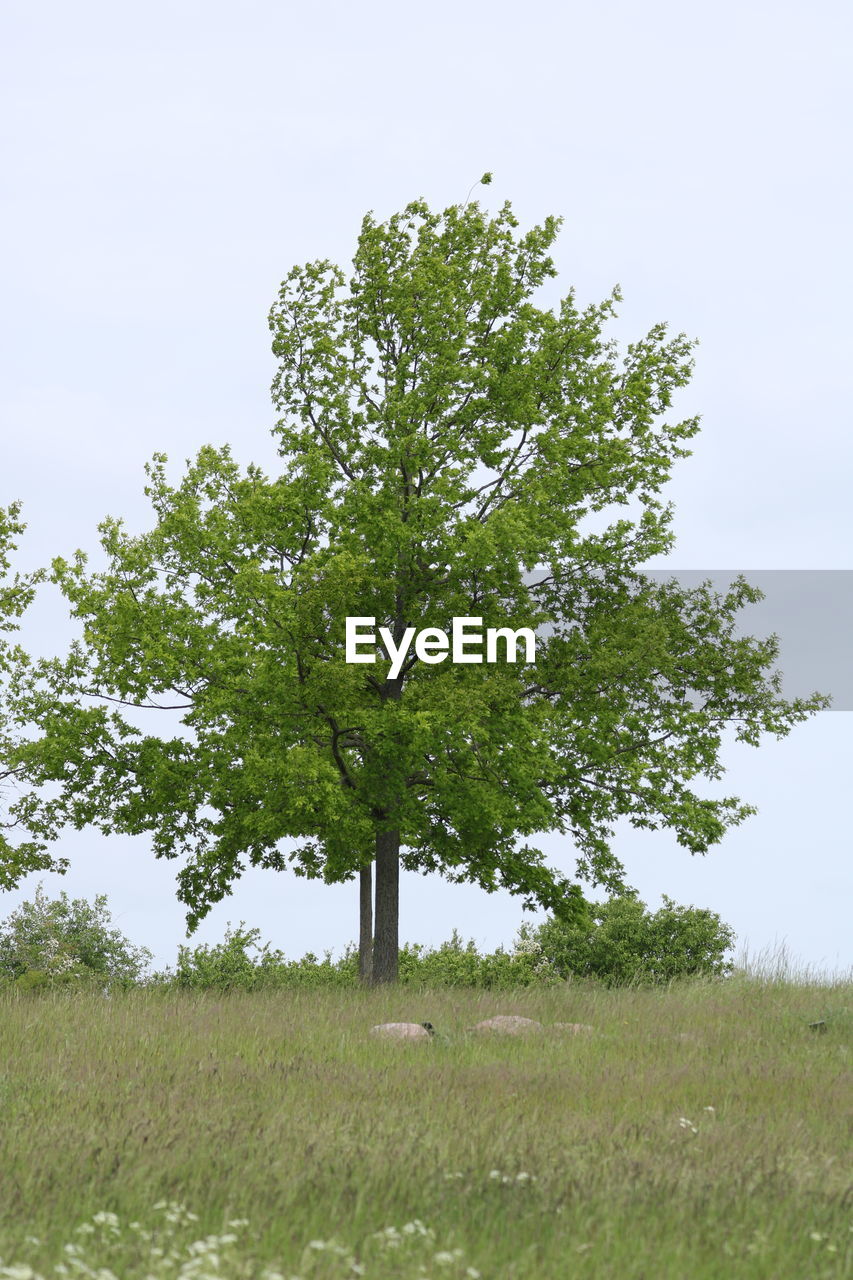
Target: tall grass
{"x":700,"y":1131}
{"x":776,"y":964}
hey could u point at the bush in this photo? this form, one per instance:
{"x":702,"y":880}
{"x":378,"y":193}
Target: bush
{"x":620,"y":941}
{"x":615,"y":942}
{"x":60,"y":943}
{"x":228,"y":966}
{"x":458,"y":964}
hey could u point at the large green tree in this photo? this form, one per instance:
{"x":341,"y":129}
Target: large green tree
{"x":444,"y":442}
{"x":17,"y":806}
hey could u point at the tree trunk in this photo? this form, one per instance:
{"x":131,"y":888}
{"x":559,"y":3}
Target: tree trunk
{"x":386,"y":937}
{"x":365,"y":924}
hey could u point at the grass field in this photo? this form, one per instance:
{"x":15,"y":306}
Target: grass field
{"x":700,"y":1131}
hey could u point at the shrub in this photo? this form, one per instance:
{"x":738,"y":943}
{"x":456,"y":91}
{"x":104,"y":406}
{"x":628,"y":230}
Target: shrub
{"x":60,"y":942}
{"x":616,"y":942}
{"x":619,"y":941}
{"x":458,"y":964}
{"x":228,"y":966}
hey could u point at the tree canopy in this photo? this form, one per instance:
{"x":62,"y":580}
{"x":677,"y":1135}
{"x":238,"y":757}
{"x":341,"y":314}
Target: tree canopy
{"x":448,"y":449}
{"x":18,"y":856}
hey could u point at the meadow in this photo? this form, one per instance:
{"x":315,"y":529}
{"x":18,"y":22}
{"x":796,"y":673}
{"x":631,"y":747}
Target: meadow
{"x":700,"y":1130}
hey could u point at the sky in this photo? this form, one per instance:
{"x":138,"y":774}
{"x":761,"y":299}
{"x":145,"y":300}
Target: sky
{"x":164,"y":168}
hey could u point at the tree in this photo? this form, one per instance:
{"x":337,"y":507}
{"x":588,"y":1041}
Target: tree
{"x":443,"y":444}
{"x":61,"y":940}
{"x":16,"y":593}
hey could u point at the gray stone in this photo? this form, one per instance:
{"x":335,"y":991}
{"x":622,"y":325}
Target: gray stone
{"x":403,"y":1030}
{"x":509,"y":1024}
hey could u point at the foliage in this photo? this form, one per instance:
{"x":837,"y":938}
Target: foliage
{"x":229,"y":966}
{"x":16,"y":593}
{"x":442,"y":438}
{"x":620,"y":941}
{"x":457,"y":964}
{"x":617,"y":942}
{"x":49,"y":943}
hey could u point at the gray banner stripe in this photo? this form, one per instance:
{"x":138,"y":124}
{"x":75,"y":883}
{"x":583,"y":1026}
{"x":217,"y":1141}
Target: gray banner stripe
{"x":810,"y":610}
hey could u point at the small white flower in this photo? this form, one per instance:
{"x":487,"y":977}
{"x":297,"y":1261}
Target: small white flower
{"x":417,"y":1228}
{"x":687,"y":1124}
{"x":711,"y":1110}
{"x":105,"y":1219}
{"x":496,"y":1175}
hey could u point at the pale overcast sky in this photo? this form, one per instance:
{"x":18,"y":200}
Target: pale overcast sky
{"x":164,"y":166}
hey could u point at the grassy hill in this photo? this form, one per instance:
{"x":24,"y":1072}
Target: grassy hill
{"x":700,"y":1130}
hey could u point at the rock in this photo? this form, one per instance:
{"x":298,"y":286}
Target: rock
{"x":573,"y":1028}
{"x":403,"y":1030}
{"x":509,"y":1025}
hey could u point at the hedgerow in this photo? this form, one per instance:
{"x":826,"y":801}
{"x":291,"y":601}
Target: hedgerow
{"x":48,"y":944}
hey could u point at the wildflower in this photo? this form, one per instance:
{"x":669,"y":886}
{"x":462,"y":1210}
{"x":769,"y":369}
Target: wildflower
{"x":416,"y":1228}
{"x":105,"y":1220}
{"x":389,"y":1236}
{"x":687,"y":1124}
